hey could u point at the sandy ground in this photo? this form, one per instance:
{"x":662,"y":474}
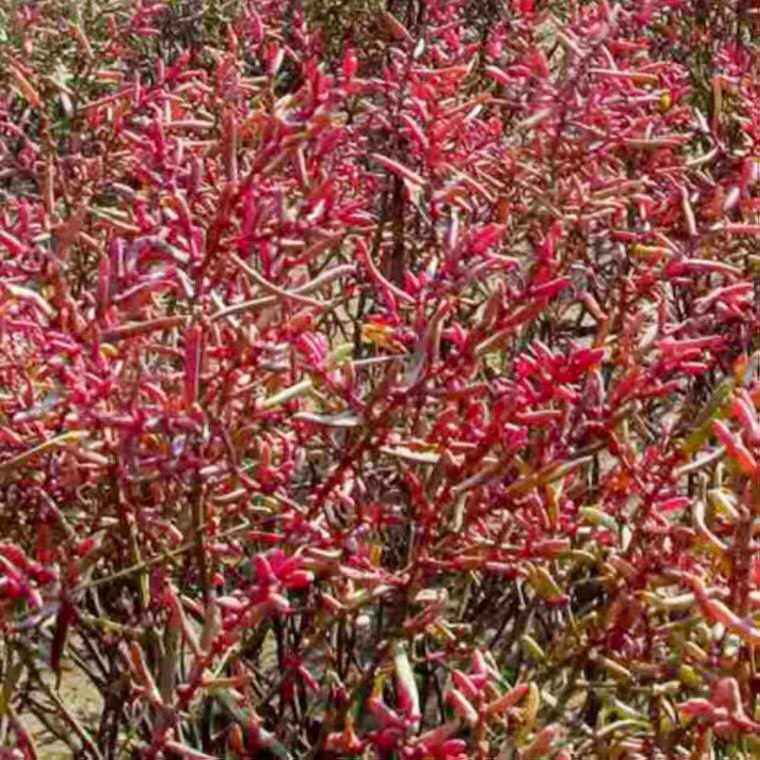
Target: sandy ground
{"x":81,"y":697}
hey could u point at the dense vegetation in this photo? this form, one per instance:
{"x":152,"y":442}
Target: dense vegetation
{"x":380,"y":379}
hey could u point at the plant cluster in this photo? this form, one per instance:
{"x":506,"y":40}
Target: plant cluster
{"x":380,"y":380}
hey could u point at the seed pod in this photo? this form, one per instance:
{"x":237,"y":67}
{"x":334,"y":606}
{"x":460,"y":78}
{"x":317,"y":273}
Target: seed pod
{"x":723,"y":502}
{"x":512,"y":697}
{"x":396,"y":28}
{"x":462,"y":707}
{"x":541,"y":745}
{"x":532,"y":705}
{"x":136,"y":658}
{"x":597,"y":517}
{"x":532,"y":649}
{"x":104,"y":283}
{"x":235,"y":740}
{"x":406,"y":685}
{"x":229,"y":146}
{"x":463,"y":682}
{"x":27,"y":90}
{"x":193,"y":352}
{"x":545,"y":585}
